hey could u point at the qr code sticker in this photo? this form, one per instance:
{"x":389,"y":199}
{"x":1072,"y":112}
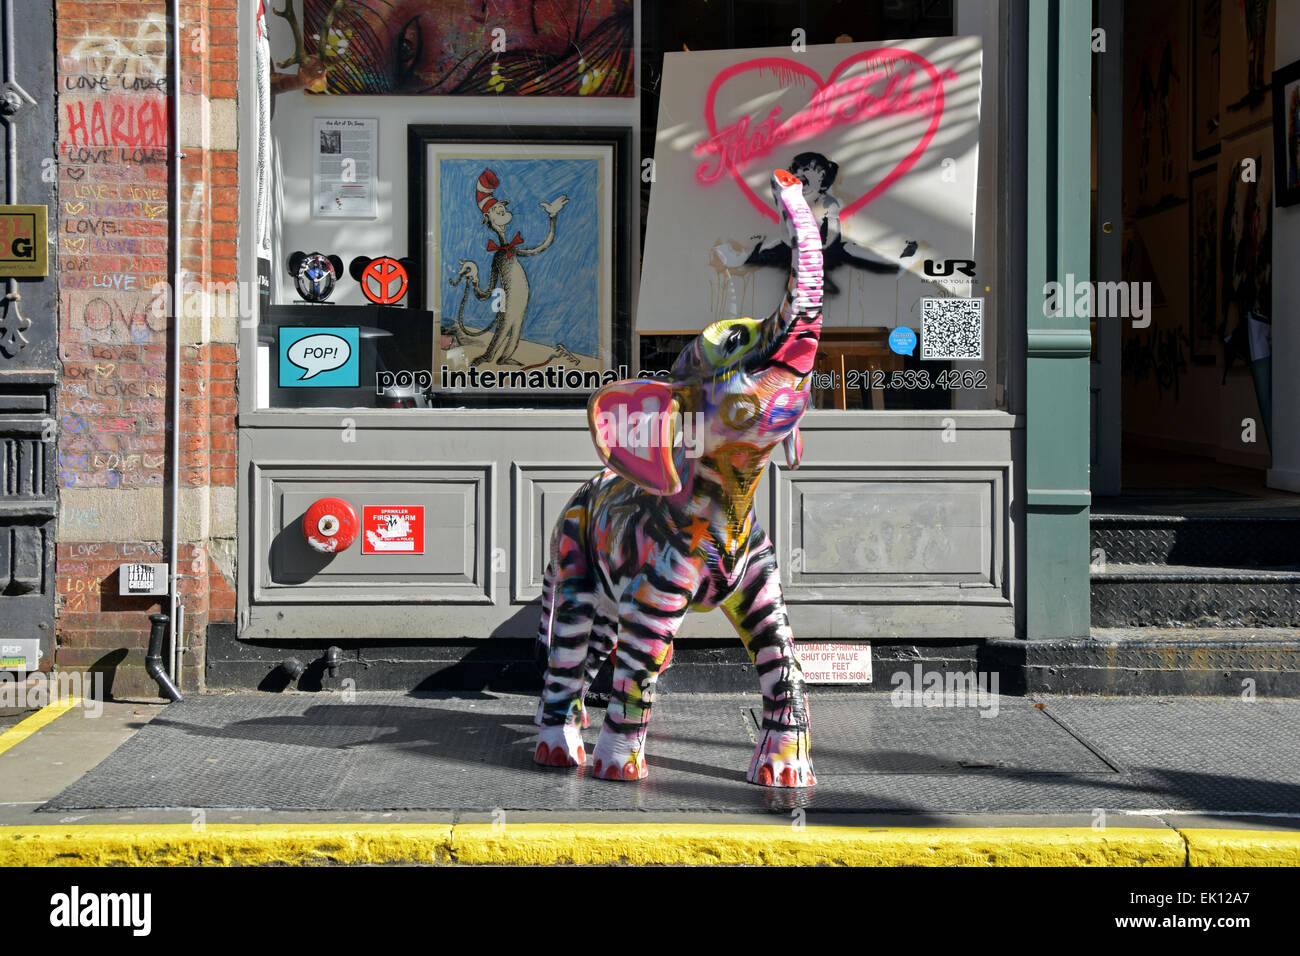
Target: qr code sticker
{"x":952,"y":328}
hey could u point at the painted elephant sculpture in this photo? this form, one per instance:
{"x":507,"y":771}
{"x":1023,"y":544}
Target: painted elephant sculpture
{"x":669,"y":526}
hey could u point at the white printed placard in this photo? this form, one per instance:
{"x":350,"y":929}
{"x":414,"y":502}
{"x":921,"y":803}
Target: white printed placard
{"x":344,"y":168}
{"x":836,"y":662}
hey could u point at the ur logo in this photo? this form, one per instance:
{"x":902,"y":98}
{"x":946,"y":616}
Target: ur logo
{"x":965,"y":266}
{"x":383,"y":280}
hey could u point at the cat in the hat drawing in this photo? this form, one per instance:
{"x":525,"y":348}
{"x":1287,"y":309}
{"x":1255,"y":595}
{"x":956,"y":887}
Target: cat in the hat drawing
{"x":507,"y":280}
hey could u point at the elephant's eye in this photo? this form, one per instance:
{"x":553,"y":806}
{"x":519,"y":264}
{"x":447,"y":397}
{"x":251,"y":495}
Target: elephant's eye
{"x":723,"y":342}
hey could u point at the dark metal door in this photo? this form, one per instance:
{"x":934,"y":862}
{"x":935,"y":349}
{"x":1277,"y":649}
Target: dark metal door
{"x":28,"y":341}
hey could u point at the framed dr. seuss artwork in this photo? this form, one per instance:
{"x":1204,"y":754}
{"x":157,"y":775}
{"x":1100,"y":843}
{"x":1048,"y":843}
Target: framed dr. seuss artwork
{"x":522,"y":238}
{"x":1286,"y":133}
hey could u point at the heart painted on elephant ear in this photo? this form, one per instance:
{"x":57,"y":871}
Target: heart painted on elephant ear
{"x":633,"y":424}
{"x":816,"y":117}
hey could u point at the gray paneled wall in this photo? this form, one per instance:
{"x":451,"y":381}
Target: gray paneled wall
{"x":897,"y":525}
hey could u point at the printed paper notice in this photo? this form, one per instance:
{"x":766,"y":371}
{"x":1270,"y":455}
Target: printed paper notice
{"x":344,"y":170}
{"x":835,"y":663}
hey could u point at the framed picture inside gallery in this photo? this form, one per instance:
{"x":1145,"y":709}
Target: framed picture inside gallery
{"x":1203,"y":265}
{"x":521,"y":238}
{"x":1286,"y":134}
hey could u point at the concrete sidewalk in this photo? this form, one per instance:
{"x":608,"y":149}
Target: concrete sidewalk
{"x":442,"y":778}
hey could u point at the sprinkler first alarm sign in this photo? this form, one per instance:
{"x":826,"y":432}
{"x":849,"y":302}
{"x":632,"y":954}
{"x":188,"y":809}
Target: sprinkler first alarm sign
{"x":392,"y":529}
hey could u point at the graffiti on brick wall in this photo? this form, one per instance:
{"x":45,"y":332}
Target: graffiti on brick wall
{"x":115,"y":119}
{"x":113,"y":140}
{"x":112,"y":229}
{"x":134,"y":63}
{"x":84,"y":570}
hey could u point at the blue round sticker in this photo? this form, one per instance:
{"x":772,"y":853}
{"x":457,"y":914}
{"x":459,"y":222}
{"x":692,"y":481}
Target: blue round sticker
{"x":902,"y":340}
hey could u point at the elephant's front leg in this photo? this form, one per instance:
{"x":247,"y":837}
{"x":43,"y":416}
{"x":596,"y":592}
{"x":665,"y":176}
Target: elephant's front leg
{"x":650,"y":613}
{"x":756,"y":608}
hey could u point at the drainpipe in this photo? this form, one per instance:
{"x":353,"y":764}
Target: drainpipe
{"x":174,"y":269}
{"x":153,"y":661}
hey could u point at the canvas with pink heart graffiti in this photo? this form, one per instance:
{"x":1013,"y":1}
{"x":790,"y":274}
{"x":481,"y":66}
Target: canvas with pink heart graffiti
{"x":885,"y":137}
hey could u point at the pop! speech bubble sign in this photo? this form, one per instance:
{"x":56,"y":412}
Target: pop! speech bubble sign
{"x":319,"y":358}
{"x":319,"y":353}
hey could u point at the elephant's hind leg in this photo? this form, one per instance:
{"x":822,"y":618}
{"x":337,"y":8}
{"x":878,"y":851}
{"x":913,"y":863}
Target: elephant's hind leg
{"x":561,"y":712}
{"x":757,"y":610}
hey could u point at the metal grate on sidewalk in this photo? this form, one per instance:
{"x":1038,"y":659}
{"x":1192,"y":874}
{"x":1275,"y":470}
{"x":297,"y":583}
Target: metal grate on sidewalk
{"x":473,"y":752}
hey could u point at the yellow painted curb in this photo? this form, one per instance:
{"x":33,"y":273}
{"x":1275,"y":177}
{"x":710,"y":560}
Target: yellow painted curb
{"x":705,"y":843}
{"x":224,"y":844}
{"x":647,"y":844}
{"x":29,"y":725}
{"x":1242,"y":847}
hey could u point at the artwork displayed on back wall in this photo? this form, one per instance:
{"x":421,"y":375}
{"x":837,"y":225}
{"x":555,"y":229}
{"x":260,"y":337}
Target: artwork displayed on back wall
{"x":1246,"y":55}
{"x":1203,"y":230}
{"x":523,"y":238}
{"x":1245,"y":247}
{"x":1207,"y":21}
{"x":885,"y":137}
{"x":454,"y":47}
{"x":1155,"y":97}
{"x":1286,"y":133}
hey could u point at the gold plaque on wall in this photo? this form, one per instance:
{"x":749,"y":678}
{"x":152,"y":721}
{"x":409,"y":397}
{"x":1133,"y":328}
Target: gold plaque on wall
{"x":24,"y":249}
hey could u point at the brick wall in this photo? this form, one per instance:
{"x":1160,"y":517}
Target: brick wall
{"x":113,"y":328}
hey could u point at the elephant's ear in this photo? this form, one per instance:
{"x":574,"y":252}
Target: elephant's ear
{"x":634,"y":425}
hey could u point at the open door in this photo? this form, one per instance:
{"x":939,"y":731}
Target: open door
{"x":1107,"y":231}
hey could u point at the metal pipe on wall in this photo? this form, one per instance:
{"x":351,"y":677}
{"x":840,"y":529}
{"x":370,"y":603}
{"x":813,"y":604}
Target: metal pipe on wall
{"x":13,"y":97}
{"x":177,"y":276}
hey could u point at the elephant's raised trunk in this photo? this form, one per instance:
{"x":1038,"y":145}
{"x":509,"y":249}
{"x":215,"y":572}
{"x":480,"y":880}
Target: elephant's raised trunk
{"x":798,"y":321}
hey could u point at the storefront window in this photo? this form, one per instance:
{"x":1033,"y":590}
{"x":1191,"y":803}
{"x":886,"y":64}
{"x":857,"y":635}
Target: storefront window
{"x":471,"y":214}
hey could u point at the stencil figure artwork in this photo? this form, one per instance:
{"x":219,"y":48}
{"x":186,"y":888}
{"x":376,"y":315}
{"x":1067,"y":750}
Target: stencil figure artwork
{"x":669,"y":526}
{"x":507,"y":282}
{"x":817,"y":173}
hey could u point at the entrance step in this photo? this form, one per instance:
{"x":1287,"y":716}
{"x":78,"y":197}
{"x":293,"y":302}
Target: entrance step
{"x":1200,"y":571}
{"x":1214,"y":541}
{"x":1171,"y":595}
{"x":1202,"y":661}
